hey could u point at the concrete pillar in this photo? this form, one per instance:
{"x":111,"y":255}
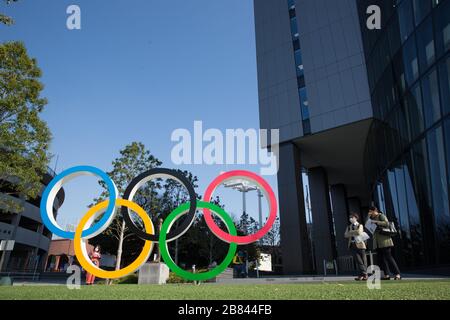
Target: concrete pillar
{"x":323,"y":233}
{"x":295,"y":244}
{"x":340,"y":217}
{"x":56,"y":267}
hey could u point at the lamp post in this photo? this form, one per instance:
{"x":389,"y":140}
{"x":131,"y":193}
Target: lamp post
{"x":244,"y":186}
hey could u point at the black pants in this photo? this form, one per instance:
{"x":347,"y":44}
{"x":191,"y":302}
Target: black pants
{"x":360,"y":258}
{"x":385,"y":257}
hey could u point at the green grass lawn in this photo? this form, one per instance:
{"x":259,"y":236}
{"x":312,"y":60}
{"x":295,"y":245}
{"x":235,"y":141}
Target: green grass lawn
{"x":332,"y":290}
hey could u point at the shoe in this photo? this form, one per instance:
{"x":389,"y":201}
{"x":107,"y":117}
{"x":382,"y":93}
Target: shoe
{"x":398,"y":277}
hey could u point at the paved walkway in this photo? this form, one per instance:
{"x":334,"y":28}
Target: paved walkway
{"x":317,"y":279}
{"x":272,"y":280}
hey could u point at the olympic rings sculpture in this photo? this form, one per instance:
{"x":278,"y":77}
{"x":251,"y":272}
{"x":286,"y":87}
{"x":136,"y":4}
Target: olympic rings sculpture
{"x":89,"y":227}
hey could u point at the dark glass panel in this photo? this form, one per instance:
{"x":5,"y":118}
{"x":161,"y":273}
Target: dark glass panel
{"x":439,"y":187}
{"x":425,"y":45}
{"x":421,"y":9}
{"x":444,"y":76}
{"x":431,"y":101}
{"x":413,"y":103}
{"x":442,"y":27}
{"x":405,"y":17}
{"x":410,"y":61}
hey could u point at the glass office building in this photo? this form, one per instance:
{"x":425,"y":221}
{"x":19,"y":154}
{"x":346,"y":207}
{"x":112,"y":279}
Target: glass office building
{"x":375,"y":128}
{"x":407,"y":157}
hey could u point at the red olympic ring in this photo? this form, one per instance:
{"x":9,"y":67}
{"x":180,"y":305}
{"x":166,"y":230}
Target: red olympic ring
{"x":265,"y":188}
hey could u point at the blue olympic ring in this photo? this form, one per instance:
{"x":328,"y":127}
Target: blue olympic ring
{"x":55,"y":185}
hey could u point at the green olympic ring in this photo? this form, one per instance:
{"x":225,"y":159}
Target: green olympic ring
{"x":168,"y":222}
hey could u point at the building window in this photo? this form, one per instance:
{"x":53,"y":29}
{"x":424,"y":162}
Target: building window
{"x":431,"y":104}
{"x":291,"y":4}
{"x":294,"y":27}
{"x":304,"y":103}
{"x":296,"y":44}
{"x":292,"y":12}
{"x":300,"y":81}
{"x":306,"y":127}
{"x":394,"y":36}
{"x":442,"y":25}
{"x":425,"y":45}
{"x":399,"y":72}
{"x":444,"y":75}
{"x":421,"y":9}
{"x":410,"y":61}
{"x":439,"y":189}
{"x":405,"y":18}
{"x":299,"y":62}
{"x":413,"y":102}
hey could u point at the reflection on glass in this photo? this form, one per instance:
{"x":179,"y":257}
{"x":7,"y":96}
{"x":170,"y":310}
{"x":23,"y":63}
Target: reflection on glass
{"x":442,"y":25}
{"x":413,"y":104}
{"x":299,"y":62}
{"x":304,"y":103}
{"x":414,"y":218}
{"x":421,"y":9}
{"x":425,"y":44}
{"x":444,"y":75}
{"x":431,"y":104}
{"x":438,"y":174}
{"x":405,"y":18}
{"x":410,"y":60}
{"x":439,"y":187}
{"x":294,"y":27}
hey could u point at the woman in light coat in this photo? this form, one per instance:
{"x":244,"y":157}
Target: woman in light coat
{"x":354,"y":234}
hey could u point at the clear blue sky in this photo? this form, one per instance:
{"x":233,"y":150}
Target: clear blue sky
{"x":135,"y":72}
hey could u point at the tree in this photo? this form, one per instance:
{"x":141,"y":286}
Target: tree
{"x":272,"y":238}
{"x":174,"y":195}
{"x":24,"y":137}
{"x":199,"y":245}
{"x":271,"y":241}
{"x":5,"y":19}
{"x":134,"y":159}
{"x":245,"y":226}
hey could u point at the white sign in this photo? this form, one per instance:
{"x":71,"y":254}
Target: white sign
{"x":371,"y":226}
{"x":265,"y":262}
{"x":7,"y":245}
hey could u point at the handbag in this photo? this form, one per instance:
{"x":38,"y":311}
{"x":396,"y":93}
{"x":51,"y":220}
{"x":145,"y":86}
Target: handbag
{"x":390,"y":230}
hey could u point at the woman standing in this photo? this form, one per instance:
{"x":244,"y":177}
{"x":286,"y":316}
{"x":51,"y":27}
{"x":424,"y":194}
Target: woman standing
{"x":383,"y":244}
{"x":95,"y":257}
{"x":356,"y":243}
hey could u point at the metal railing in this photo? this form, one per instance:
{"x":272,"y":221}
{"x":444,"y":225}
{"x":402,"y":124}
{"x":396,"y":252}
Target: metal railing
{"x":24,"y":274}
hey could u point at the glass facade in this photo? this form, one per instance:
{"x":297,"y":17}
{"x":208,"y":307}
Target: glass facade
{"x":299,"y":68}
{"x":407,"y":157}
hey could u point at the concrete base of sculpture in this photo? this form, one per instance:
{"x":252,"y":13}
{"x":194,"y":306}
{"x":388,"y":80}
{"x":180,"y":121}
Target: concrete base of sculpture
{"x":6,"y":281}
{"x":153,"y":273}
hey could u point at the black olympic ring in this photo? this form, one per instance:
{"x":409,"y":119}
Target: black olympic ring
{"x":156,"y":173}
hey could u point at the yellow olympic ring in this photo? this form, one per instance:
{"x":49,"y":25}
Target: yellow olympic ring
{"x":80,"y":244}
